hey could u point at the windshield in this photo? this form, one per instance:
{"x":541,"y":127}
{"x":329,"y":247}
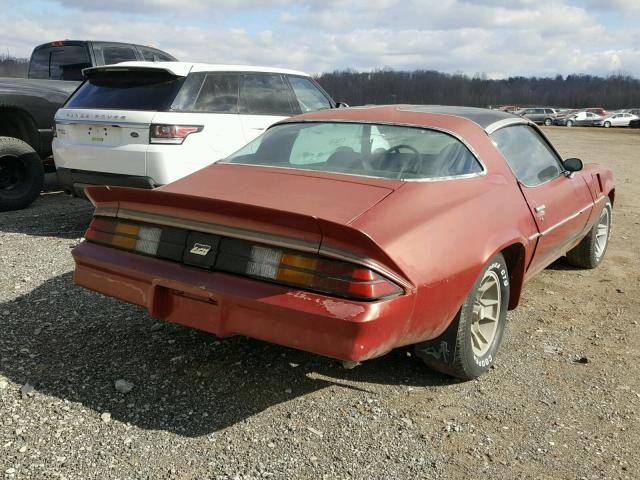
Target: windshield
{"x":385,"y":151}
{"x":127,"y":90}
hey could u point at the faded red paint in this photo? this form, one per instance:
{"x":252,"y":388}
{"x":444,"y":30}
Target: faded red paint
{"x":432,"y":238}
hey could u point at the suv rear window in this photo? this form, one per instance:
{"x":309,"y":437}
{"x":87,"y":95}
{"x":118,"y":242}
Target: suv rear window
{"x":128,"y":90}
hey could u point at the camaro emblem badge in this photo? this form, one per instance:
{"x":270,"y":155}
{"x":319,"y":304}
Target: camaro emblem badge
{"x":200,"y":249}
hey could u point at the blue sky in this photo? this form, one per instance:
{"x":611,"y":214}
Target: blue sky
{"x":497,"y":37}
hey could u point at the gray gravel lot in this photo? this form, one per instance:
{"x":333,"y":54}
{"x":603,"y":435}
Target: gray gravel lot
{"x":562,"y":401}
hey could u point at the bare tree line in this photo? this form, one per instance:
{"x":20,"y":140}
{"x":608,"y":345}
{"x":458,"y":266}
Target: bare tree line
{"x":431,"y":87}
{"x":11,"y":66}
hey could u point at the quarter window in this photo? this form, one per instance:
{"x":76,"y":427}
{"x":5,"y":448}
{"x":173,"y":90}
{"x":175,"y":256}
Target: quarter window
{"x":529,"y":156}
{"x":265,"y":94}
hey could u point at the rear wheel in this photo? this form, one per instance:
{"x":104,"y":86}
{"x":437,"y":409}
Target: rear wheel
{"x":480,"y":326}
{"x":21,"y":174}
{"x":590,"y":251}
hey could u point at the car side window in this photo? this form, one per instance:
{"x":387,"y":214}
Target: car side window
{"x":309,"y":97}
{"x":531,"y":159}
{"x":219,"y":94}
{"x":265,"y":94}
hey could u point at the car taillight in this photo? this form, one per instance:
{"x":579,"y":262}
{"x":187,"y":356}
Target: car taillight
{"x":171,"y":134}
{"x":288,"y":267}
{"x":307,"y":271}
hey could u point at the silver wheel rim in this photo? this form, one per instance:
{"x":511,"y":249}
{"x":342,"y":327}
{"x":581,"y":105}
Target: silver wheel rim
{"x":602,"y":232}
{"x":486,"y":313}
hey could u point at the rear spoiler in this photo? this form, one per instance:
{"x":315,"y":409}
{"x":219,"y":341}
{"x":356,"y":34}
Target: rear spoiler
{"x":177,"y":70}
{"x":249,"y":222}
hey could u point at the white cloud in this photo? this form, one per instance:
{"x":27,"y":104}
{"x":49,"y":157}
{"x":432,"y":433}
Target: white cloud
{"x":500,"y":38}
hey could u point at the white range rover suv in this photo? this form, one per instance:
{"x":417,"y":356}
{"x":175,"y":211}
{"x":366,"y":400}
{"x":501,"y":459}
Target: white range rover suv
{"x":145,"y":124}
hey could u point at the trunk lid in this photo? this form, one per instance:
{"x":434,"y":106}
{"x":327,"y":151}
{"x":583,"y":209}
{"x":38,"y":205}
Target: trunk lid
{"x":333,"y":197}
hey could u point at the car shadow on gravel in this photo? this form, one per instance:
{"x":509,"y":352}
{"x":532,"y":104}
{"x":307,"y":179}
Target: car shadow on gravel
{"x":74,"y":344}
{"x":53,"y":214}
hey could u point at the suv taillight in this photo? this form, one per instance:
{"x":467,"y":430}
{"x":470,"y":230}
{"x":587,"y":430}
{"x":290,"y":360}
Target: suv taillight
{"x":171,"y":134}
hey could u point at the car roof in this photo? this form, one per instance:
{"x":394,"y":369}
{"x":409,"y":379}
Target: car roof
{"x":182,"y":69}
{"x":488,"y":120}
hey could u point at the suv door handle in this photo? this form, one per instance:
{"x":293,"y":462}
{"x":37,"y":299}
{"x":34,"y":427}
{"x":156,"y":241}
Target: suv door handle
{"x":540,"y":208}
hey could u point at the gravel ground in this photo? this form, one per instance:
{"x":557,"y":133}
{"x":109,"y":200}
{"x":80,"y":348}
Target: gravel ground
{"x":94,"y":388}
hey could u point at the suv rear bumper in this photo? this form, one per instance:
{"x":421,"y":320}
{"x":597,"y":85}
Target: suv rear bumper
{"x":74,"y":181}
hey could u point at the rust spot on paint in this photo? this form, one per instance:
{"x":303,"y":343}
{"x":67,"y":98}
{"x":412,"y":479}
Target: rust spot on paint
{"x":341,"y":310}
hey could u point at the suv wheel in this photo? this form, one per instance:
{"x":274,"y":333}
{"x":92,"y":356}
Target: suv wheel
{"x":21,"y":174}
{"x":569,"y":123}
{"x":548,"y":122}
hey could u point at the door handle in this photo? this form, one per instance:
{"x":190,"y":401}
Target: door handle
{"x":540,"y":208}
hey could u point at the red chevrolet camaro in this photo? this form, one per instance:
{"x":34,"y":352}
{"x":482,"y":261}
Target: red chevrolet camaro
{"x":354,"y":231}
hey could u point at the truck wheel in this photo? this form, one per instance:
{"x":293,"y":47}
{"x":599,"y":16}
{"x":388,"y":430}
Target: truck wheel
{"x":468,"y":347}
{"x":21,"y":174}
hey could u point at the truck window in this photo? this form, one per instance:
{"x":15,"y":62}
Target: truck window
{"x":39,"y":65}
{"x":66,"y":63}
{"x":153,"y":55}
{"x":117,"y":53}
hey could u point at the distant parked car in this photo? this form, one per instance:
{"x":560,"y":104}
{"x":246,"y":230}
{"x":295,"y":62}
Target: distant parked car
{"x":634,"y":123}
{"x":538,"y":115}
{"x":146,"y":124}
{"x":580,"y":119}
{"x":617,"y":120}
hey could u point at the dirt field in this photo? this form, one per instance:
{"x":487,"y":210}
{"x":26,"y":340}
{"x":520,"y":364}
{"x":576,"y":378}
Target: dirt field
{"x":563,"y":401}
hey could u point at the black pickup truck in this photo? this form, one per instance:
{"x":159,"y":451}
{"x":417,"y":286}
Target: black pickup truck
{"x":27,"y":108}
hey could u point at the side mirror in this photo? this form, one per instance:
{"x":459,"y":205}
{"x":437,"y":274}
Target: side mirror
{"x":572,"y":164}
{"x":342,"y":105}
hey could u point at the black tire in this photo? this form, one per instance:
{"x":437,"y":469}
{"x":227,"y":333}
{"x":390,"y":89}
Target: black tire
{"x":548,"y":122}
{"x":466,"y":364}
{"x":21,"y":174}
{"x":587,"y":254}
{"x":569,"y":123}
{"x":607,"y":124}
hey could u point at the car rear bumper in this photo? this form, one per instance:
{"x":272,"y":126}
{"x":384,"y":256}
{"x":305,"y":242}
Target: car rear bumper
{"x":74,"y":181}
{"x":228,"y":305}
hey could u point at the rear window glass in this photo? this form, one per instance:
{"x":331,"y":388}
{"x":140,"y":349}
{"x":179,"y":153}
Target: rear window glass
{"x":59,"y":63}
{"x":67,"y":62}
{"x":127,"y":91}
{"x":385,"y":151}
{"x":208,"y":92}
{"x":39,"y":66}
